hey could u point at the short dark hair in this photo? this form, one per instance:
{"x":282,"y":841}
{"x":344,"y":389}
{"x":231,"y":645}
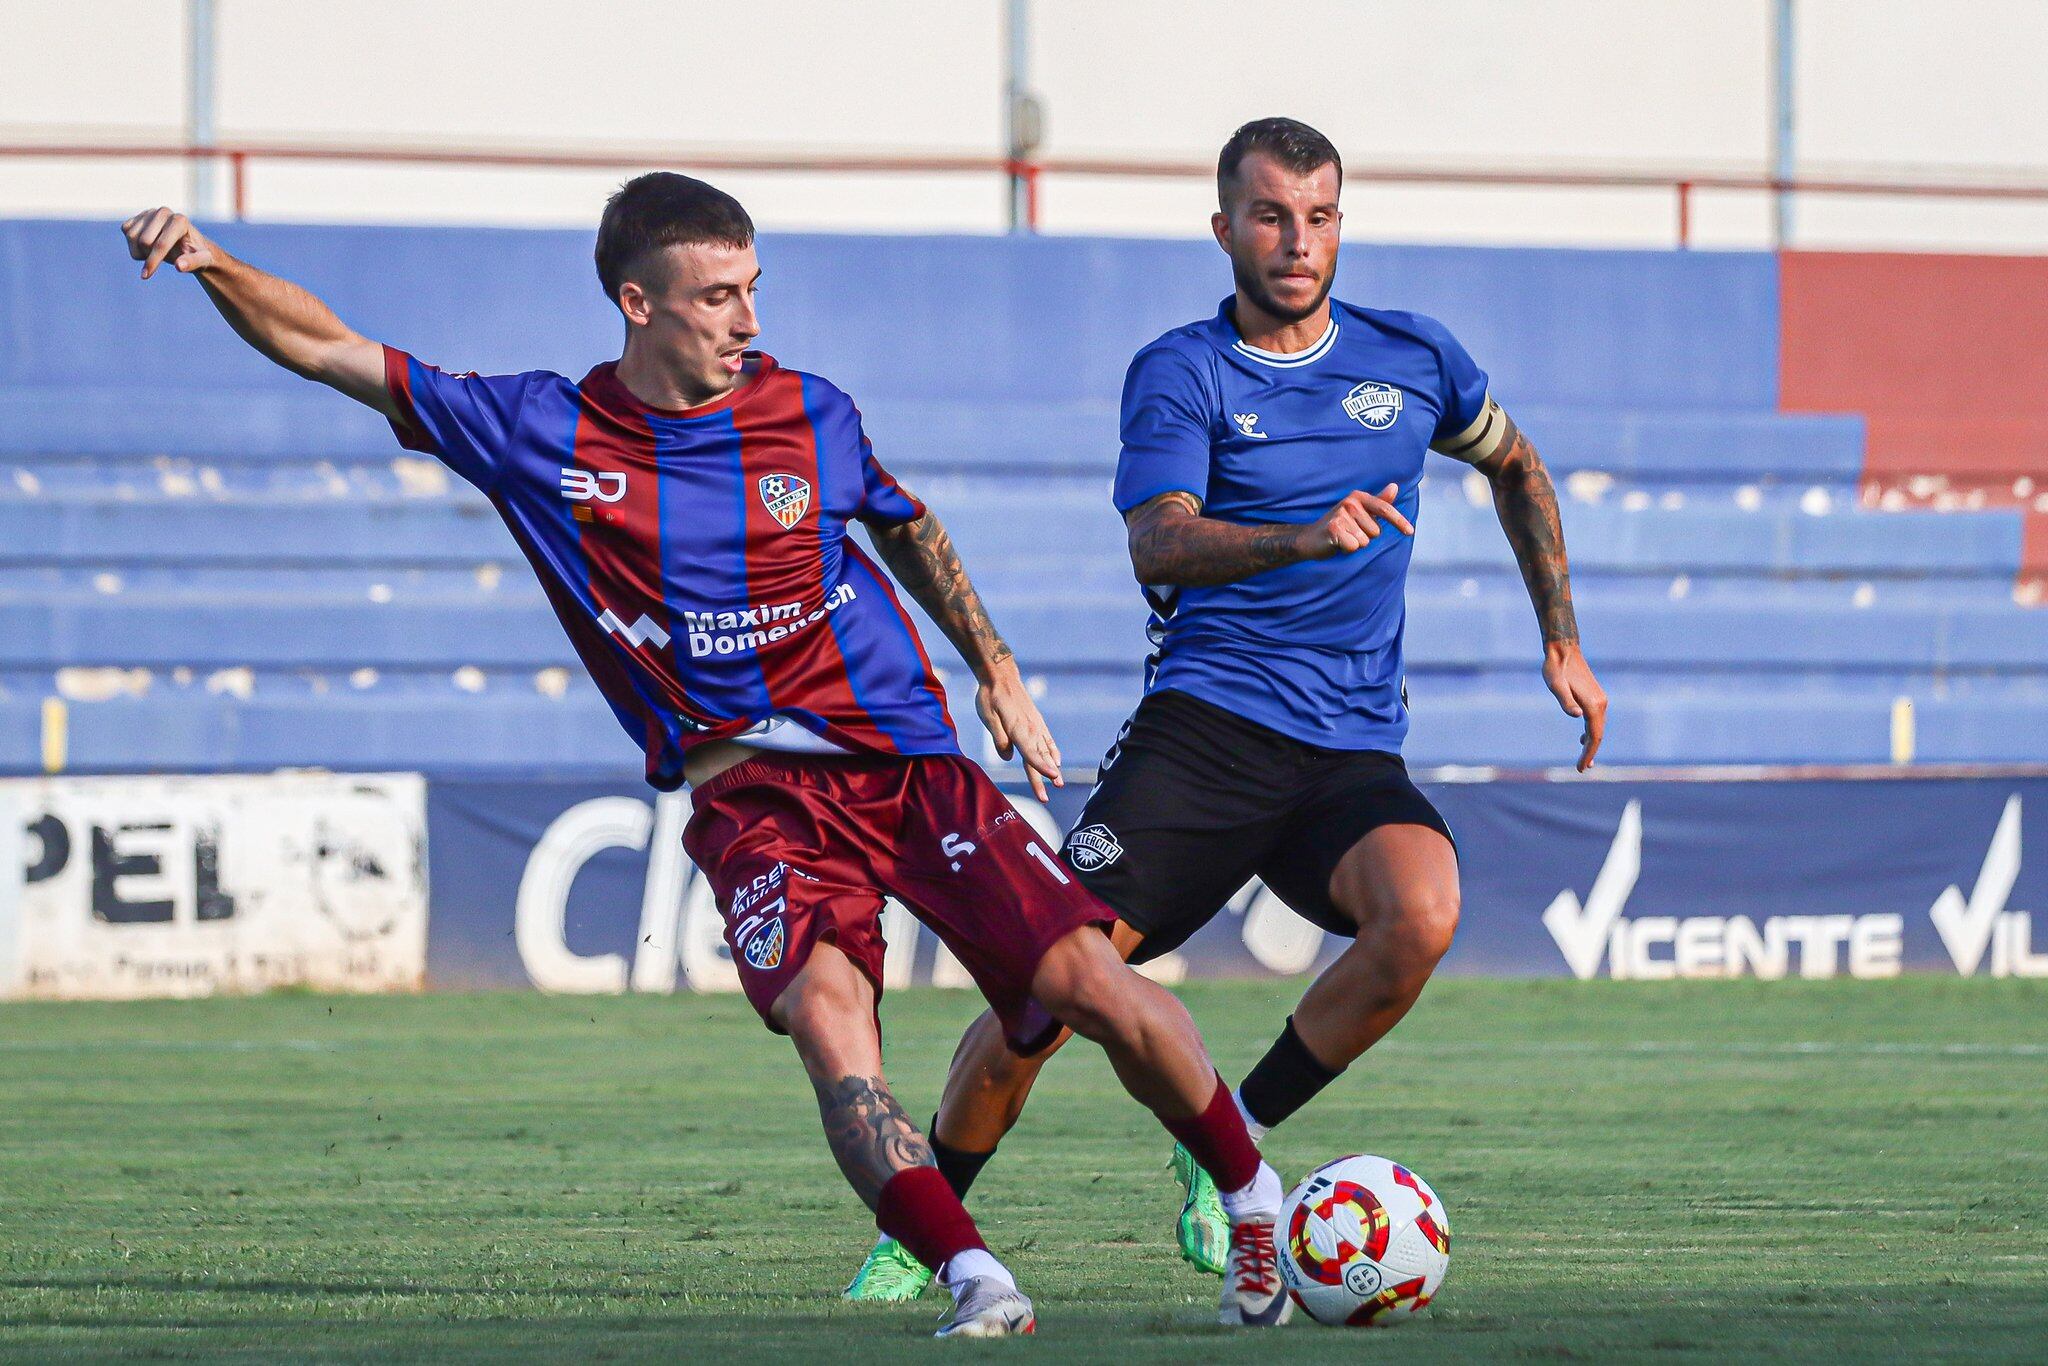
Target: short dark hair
{"x":662,"y":209}
{"x":1290,"y":142}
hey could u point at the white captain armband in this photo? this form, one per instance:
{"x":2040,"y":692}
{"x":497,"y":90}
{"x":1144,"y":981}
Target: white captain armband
{"x":1487,"y":437}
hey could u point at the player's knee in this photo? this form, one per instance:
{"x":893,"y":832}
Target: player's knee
{"x":1429,"y":920}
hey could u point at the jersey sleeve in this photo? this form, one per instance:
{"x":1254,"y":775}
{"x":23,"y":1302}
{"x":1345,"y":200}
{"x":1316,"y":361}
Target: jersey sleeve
{"x":1165,"y":429}
{"x":1464,"y":391}
{"x":466,"y":420}
{"x":882,"y":499}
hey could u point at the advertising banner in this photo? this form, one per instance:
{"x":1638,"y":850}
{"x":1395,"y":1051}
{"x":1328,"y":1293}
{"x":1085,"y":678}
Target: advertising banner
{"x":583,"y":887}
{"x":191,"y":886}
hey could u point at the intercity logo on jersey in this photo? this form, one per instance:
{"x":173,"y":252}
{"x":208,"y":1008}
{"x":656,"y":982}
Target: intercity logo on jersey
{"x":1374,"y":404}
{"x":1092,"y":847}
{"x":787,"y":498}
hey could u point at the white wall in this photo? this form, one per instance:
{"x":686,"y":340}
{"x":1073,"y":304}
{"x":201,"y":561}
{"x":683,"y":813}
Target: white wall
{"x":1887,"y":87}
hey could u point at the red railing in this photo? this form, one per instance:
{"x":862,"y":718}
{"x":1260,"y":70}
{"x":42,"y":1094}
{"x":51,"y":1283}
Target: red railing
{"x":1028,"y":173}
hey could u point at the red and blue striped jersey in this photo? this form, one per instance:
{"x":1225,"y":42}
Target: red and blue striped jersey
{"x":699,"y":558}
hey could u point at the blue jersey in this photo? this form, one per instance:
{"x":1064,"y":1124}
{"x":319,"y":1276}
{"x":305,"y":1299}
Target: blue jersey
{"x":1312,"y":650}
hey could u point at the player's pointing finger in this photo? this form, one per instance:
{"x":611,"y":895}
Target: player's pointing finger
{"x":1596,"y":731}
{"x":1383,"y":506}
{"x":167,"y":239}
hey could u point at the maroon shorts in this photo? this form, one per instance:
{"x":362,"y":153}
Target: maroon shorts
{"x":804,"y":848}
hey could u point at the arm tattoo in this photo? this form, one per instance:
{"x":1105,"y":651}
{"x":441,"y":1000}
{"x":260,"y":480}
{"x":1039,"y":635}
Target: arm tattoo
{"x":921,"y":556}
{"x":871,"y":1137}
{"x":1526,"y":502}
{"x":1172,"y":544}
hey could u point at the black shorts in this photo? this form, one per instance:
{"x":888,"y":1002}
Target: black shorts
{"x":1194,"y":801}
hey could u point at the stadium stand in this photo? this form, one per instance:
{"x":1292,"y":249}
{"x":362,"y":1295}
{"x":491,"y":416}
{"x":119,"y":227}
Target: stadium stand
{"x":215,"y":565}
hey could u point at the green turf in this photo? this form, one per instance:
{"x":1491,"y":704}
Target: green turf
{"x":1700,"y":1171}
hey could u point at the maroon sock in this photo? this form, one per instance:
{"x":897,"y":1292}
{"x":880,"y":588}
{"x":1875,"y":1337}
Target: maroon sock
{"x":1217,"y":1140}
{"x":919,"y":1210}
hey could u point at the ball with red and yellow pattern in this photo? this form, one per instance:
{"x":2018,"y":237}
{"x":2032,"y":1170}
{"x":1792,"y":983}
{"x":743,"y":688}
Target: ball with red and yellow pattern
{"x":1364,"y":1241}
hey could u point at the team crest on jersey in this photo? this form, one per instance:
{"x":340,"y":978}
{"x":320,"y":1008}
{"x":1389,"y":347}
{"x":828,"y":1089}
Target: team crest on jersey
{"x":1374,"y":404}
{"x":1092,"y":847}
{"x":764,"y":949}
{"x":787,"y":498}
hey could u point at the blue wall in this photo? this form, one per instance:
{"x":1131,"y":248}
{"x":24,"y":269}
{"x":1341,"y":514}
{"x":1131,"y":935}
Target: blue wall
{"x":92,"y":359}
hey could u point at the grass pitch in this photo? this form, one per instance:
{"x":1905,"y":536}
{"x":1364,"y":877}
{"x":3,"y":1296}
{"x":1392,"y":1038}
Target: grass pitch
{"x":1679,"y":1171}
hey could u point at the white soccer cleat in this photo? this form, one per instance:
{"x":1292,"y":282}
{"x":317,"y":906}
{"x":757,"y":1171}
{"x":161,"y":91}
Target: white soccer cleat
{"x":1253,"y":1294}
{"x":986,"y":1308}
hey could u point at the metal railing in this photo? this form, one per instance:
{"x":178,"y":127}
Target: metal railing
{"x":1022,"y":174}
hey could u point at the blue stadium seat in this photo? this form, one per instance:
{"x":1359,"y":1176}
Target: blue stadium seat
{"x":218,"y":565}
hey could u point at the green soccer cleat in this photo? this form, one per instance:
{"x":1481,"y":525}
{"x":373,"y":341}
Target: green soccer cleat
{"x":890,"y":1275}
{"x":1203,"y":1232}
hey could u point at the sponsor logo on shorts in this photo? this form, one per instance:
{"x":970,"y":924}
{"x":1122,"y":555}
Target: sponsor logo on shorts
{"x":749,"y":896}
{"x":764,"y":949}
{"x":1092,"y":847}
{"x":956,"y":849}
{"x":1374,"y":404}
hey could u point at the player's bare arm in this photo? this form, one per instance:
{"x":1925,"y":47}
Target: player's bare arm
{"x":921,"y":556}
{"x":869,"y":1134}
{"x":1173,"y":545}
{"x":1526,"y":502}
{"x":282,"y":321}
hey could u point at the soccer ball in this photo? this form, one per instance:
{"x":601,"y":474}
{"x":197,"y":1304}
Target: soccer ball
{"x":1366,"y":1242}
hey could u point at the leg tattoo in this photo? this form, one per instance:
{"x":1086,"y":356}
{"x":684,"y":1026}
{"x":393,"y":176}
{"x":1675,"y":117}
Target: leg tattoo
{"x":871,"y":1137}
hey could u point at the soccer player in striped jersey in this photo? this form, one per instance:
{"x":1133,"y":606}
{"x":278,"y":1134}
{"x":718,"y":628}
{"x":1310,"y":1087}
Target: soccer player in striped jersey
{"x":687,"y":509}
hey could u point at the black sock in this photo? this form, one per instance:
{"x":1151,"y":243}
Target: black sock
{"x":958,"y":1167}
{"x":1287,"y":1078}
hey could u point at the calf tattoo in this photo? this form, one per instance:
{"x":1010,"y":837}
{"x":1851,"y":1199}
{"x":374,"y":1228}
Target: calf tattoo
{"x":871,"y":1137}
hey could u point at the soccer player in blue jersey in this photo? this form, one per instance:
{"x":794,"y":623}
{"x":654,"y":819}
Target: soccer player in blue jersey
{"x":1271,"y":457}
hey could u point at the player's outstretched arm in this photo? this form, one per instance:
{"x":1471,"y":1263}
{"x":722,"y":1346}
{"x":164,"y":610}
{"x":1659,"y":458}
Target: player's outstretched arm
{"x":1173,"y":545}
{"x":1526,"y":502}
{"x":921,"y":556}
{"x":279,"y":319}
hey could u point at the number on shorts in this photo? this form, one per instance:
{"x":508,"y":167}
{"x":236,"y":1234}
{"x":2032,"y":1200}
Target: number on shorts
{"x":1059,"y":874}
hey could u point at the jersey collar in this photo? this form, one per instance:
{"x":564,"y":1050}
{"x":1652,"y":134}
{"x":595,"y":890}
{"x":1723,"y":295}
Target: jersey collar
{"x":1274,"y":360}
{"x":602,"y":387}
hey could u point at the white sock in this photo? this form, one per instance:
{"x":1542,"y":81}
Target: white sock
{"x":963,"y":1267}
{"x":1259,"y":1200}
{"x":1257,"y":1130}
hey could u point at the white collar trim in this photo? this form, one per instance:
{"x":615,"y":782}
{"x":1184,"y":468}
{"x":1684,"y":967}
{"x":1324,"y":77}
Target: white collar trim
{"x":1289,"y":360}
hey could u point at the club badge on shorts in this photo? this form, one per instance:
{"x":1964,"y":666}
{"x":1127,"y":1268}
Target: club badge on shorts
{"x":1374,"y":404}
{"x":764,"y":950}
{"x":1092,"y":847}
{"x":786,"y":497}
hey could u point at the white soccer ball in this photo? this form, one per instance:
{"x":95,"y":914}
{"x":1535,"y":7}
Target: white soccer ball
{"x":1363,"y":1241}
